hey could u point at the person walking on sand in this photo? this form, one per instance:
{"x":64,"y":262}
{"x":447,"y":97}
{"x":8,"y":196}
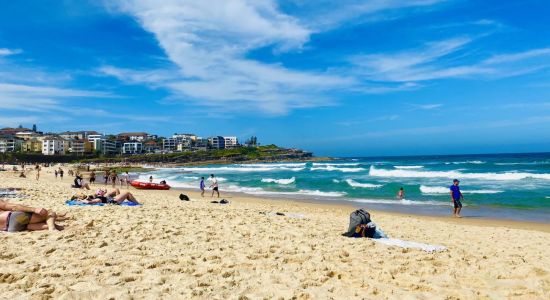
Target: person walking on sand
{"x":60,"y":173}
{"x":37,"y":171}
{"x":456,"y":197}
{"x":214,"y":185}
{"x":401,"y":194}
{"x":92,"y":177}
{"x":202,"y":186}
{"x":55,"y":172}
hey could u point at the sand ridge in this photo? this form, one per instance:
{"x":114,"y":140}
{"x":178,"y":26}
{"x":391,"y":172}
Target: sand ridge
{"x":173,"y":249}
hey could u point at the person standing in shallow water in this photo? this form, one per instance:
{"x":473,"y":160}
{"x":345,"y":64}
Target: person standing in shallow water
{"x":401,"y":194}
{"x":456,"y":197}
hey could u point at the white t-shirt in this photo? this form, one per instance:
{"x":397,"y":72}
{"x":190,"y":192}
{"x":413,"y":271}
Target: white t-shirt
{"x":214,"y":181}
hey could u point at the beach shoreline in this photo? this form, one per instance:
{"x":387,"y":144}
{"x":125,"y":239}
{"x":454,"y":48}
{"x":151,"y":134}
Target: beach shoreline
{"x":170,"y":248}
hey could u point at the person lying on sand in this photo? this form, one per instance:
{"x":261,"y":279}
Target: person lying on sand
{"x":16,"y":217}
{"x":102,"y":196}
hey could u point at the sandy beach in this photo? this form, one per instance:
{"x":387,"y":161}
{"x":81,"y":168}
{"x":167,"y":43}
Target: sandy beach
{"x":168,"y":248}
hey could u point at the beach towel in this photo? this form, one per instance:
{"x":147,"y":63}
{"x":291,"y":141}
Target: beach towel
{"x":410,"y":245}
{"x":78,"y":203}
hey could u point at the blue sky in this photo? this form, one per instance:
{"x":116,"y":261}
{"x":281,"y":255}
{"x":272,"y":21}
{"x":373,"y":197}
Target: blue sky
{"x":340,"y":78}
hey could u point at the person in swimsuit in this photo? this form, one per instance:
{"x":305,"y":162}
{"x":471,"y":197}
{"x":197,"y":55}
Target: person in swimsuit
{"x":112,"y":197}
{"x":16,"y":217}
{"x":401,"y":194}
{"x":37,"y":172}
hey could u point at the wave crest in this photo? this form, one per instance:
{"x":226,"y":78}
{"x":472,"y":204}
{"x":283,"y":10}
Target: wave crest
{"x":279,"y":181}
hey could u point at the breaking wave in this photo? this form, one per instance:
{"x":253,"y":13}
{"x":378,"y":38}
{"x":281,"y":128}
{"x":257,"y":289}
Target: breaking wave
{"x":353,"y":183}
{"x":279,"y":181}
{"x":455,"y":174}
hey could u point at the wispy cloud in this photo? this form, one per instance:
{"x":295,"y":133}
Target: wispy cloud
{"x":208,"y":44}
{"x":6,"y":51}
{"x":385,"y":118}
{"x":324,"y":15}
{"x":445,"y":59}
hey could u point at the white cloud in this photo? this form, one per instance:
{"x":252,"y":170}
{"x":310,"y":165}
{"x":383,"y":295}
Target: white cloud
{"x":444,"y":59}
{"x":6,"y":51}
{"x":209,"y":42}
{"x":327,"y":14}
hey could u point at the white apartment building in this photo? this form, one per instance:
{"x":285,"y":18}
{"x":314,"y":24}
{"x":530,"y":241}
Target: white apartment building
{"x":132,"y":148}
{"x":53,"y":146}
{"x":230,"y":141}
{"x":10,"y":144}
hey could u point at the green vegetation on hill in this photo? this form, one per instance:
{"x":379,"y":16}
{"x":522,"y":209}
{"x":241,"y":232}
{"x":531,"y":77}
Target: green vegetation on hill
{"x":262,"y":153}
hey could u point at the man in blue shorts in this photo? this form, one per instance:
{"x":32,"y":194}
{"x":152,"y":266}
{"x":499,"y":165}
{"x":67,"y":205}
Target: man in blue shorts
{"x":456,"y":197}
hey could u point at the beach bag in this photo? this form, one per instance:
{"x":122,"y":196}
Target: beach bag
{"x":357,"y":218}
{"x":184,"y":197}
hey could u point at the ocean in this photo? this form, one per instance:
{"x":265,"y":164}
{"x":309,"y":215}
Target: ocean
{"x":505,"y":186}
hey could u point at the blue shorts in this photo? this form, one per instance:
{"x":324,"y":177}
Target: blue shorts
{"x":457,"y":203}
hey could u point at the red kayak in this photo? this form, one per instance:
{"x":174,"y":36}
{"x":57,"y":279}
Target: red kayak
{"x":149,"y":185}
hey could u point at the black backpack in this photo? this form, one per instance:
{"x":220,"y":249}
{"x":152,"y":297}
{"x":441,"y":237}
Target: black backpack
{"x":184,"y":197}
{"x":357,"y":218}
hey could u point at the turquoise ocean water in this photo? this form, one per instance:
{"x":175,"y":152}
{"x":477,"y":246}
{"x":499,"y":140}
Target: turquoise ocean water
{"x":515,"y":186}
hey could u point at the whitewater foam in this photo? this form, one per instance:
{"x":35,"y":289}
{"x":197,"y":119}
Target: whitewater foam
{"x":332,"y":168}
{"x":353,"y":183}
{"x":279,"y":181}
{"x":455,"y":174}
{"x":402,"y":202}
{"x":433,"y":190}
{"x":408,"y":167}
{"x":334,"y":164}
{"x":242,"y":169}
{"x":260,"y":191}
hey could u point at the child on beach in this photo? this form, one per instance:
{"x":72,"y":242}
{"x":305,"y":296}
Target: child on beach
{"x":456,"y":196}
{"x":401,"y":194}
{"x":202,"y":186}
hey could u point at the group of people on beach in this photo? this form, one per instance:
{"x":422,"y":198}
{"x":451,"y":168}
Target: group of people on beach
{"x":213,"y":185}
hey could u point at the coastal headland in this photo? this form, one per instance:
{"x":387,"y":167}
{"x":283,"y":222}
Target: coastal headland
{"x":169,"y":248}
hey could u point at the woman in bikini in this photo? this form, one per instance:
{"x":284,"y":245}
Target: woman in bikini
{"x":112,"y":197}
{"x":16,"y":217}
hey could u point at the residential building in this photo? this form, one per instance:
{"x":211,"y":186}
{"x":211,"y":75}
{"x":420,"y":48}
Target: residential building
{"x":78,"y":135}
{"x":80,"y":147}
{"x":169,"y":144}
{"x":217,"y":142}
{"x":12,"y":131}
{"x":184,"y":136}
{"x":27,"y":135}
{"x":53,"y":146}
{"x":32,"y":145}
{"x":150,"y":147}
{"x":132,"y":148}
{"x":10,"y":144}
{"x":133,"y":136}
{"x":200,"y":144}
{"x":230,"y":141}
